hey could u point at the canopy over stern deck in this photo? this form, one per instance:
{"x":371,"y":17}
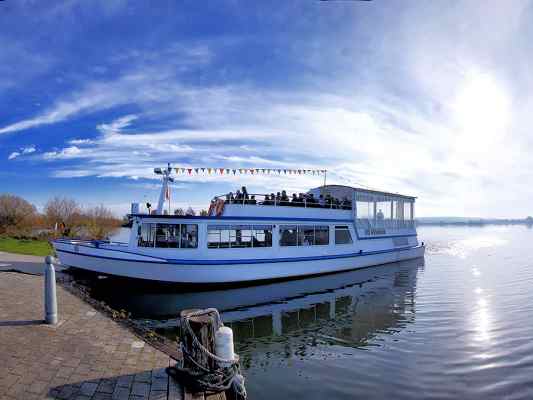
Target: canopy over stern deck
{"x":376,"y":213}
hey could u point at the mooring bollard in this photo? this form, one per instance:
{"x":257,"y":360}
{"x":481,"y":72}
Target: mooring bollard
{"x":50,"y":297}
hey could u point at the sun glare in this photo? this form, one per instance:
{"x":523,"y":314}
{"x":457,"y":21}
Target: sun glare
{"x":481,"y":111}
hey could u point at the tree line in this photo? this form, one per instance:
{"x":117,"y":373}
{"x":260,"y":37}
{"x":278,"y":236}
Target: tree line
{"x":61,"y":216}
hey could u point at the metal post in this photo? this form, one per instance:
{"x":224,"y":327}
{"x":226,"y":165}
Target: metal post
{"x":50,"y":296}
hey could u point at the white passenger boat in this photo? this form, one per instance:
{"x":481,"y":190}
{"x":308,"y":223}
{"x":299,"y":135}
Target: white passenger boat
{"x":255,"y":240}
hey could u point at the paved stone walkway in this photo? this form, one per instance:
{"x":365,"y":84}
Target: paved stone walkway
{"x":86,"y":356}
{"x":19,"y":262}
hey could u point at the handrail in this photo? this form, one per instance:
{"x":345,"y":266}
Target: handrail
{"x":275,"y":202}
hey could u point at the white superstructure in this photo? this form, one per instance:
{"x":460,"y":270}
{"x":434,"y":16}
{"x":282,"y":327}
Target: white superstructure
{"x":252,"y":240}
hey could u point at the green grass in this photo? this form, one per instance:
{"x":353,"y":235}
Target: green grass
{"x":25,"y":246}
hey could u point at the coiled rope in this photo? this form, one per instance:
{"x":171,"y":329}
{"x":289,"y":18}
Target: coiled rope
{"x":226,"y":373}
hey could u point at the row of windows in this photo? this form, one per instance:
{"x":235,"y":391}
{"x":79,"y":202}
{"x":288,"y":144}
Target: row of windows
{"x":185,"y":236}
{"x":303,"y":235}
{"x":238,"y":236}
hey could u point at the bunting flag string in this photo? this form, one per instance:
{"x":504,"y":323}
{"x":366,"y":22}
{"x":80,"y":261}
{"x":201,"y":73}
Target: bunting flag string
{"x":244,"y":171}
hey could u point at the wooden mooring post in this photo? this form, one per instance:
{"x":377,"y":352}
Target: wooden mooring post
{"x":204,"y":327}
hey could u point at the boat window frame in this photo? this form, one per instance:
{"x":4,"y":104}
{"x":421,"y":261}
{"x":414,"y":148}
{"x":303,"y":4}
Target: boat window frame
{"x":301,"y":237}
{"x":251,"y":234}
{"x":343,"y":228}
{"x":180,"y":238}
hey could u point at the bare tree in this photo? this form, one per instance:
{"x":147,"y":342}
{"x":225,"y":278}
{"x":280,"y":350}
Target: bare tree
{"x":203,"y":213}
{"x":99,"y":222}
{"x":16,"y":215}
{"x":190,"y":212}
{"x":62,"y":211}
{"x":179,"y":211}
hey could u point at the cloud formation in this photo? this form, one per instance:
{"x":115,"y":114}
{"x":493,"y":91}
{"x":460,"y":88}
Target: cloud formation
{"x":401,"y":97}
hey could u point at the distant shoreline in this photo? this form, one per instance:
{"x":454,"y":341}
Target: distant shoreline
{"x":472,"y":222}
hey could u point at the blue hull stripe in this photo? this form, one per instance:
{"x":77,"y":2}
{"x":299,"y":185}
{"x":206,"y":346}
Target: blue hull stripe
{"x":250,"y":261}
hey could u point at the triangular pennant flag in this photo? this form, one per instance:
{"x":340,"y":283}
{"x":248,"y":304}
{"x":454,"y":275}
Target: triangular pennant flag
{"x":203,"y":169}
{"x":221,"y":170}
{"x":227,"y":170}
{"x":234,"y":171}
{"x":196,"y":170}
{"x":279,"y":171}
{"x":190,"y":171}
{"x":177,"y":170}
{"x":299,"y":171}
{"x":209,"y":170}
{"x":252,"y":171}
{"x":183,"y":170}
{"x":285,"y":171}
{"x":263,"y":170}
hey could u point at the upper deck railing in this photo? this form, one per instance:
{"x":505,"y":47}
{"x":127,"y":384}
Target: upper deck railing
{"x":260,"y":199}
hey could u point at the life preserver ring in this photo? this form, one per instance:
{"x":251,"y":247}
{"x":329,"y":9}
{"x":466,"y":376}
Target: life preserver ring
{"x":219,"y":207}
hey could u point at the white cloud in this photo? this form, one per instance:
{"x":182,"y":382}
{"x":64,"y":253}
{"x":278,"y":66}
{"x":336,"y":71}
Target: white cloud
{"x":28,"y":150}
{"x":22,"y":151}
{"x":66,"y":153}
{"x":117,"y":125}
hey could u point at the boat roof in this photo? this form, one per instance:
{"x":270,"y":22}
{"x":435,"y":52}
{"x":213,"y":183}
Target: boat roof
{"x":340,"y":188}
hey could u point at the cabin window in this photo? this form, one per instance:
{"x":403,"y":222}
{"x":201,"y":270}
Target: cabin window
{"x":239,"y":236}
{"x":288,"y":235}
{"x":146,"y":235}
{"x":167,"y":235}
{"x":189,"y":236}
{"x":303,"y":235}
{"x":171,"y":236}
{"x":342,"y":235}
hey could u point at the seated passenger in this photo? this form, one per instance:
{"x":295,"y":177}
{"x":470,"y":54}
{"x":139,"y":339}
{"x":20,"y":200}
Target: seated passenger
{"x":294,"y":201}
{"x":273,"y":199}
{"x":311,"y":200}
{"x":252,"y":200}
{"x":321,"y":201}
{"x":284,"y":198}
{"x":245,"y":193}
{"x":301,"y":200}
{"x":278,"y":198}
{"x":266,"y":202}
{"x":238,"y":196}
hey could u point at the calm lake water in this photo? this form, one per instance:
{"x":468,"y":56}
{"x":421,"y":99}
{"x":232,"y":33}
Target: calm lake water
{"x":456,"y":325}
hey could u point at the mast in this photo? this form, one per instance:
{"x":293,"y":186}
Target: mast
{"x":164,"y":188}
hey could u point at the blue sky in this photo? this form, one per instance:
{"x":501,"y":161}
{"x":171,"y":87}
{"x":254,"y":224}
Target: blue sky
{"x":425,"y":98}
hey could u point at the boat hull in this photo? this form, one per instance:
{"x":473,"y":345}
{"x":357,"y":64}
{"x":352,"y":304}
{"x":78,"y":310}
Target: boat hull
{"x":127,"y":264}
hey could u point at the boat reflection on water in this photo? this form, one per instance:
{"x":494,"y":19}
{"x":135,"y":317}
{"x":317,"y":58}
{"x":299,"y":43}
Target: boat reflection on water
{"x":348,"y":308}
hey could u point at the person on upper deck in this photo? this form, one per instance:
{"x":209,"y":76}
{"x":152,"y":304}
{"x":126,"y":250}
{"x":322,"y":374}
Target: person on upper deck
{"x":294,"y":200}
{"x":238,"y":195}
{"x":252,"y":200}
{"x":245,"y":193}
{"x":321,"y":201}
{"x":284,"y":198}
{"x":278,"y":198}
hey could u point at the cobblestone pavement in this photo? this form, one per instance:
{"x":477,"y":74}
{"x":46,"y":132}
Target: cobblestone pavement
{"x":86,"y":356}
